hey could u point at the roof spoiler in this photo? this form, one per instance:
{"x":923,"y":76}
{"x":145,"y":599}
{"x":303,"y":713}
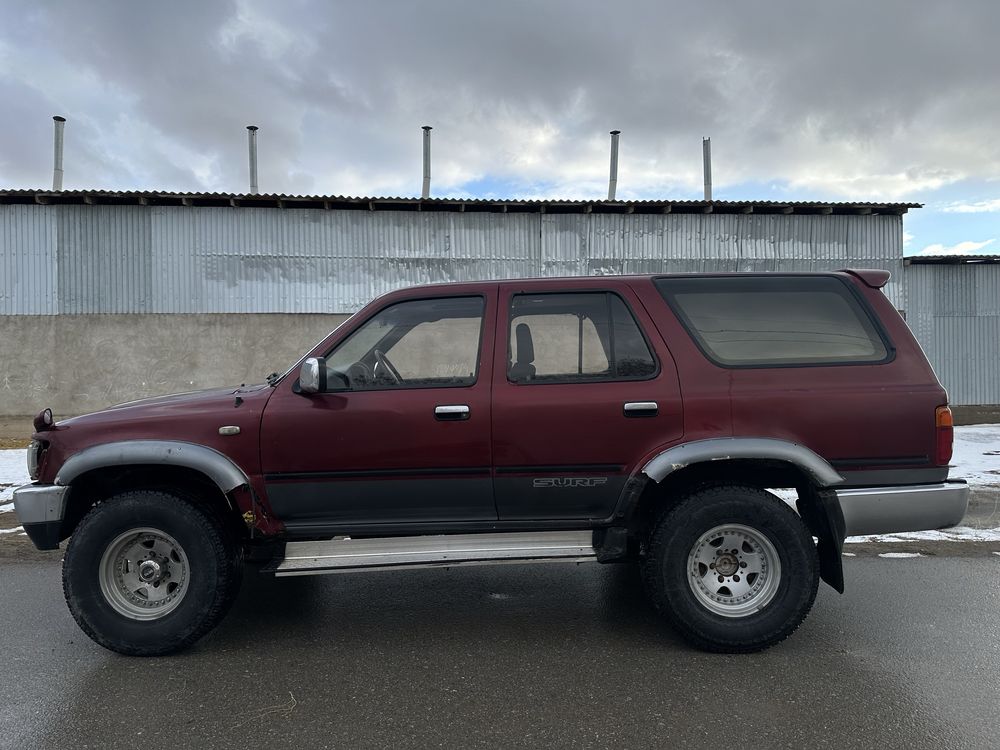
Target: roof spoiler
{"x":876,"y":278}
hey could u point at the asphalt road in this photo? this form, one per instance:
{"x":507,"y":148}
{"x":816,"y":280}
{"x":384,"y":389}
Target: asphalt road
{"x":515,"y":656}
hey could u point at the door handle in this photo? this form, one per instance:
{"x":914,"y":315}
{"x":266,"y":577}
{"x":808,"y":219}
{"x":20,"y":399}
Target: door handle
{"x":641,"y":408}
{"x":451,"y":412}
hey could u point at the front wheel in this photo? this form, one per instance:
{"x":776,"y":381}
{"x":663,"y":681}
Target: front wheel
{"x":733,"y":569}
{"x":148,"y":573}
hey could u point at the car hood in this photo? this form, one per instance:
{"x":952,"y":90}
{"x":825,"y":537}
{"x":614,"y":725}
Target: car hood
{"x":192,"y":403}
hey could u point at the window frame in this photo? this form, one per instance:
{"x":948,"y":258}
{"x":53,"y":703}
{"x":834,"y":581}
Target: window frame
{"x":580,"y":379}
{"x":402,"y":386}
{"x":860,"y":305}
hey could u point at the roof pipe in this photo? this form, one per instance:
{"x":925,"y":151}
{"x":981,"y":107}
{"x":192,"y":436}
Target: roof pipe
{"x":252,"y":143}
{"x":613,"y":177}
{"x":706,"y":155}
{"x":57,"y":167}
{"x":426,"y":190}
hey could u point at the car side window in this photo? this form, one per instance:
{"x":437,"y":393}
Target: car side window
{"x":414,"y":344}
{"x":776,"y":321}
{"x":575,"y":337}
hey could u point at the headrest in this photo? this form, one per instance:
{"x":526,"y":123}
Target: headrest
{"x":525,"y":349}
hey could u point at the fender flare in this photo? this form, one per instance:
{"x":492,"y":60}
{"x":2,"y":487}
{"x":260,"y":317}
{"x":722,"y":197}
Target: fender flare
{"x":226,"y":475}
{"x":724,"y":449}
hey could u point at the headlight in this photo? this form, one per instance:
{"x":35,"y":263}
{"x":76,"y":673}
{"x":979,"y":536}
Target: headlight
{"x":34,"y":454}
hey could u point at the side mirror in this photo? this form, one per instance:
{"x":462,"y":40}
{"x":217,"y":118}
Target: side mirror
{"x":312,"y":375}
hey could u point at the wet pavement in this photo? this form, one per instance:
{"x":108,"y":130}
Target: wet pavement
{"x":553,"y":655}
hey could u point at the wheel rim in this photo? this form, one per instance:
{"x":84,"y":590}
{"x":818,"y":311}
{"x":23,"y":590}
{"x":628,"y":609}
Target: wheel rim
{"x":144,"y":574}
{"x":734,"y":570}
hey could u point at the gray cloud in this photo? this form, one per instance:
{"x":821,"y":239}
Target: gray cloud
{"x":883,"y":100}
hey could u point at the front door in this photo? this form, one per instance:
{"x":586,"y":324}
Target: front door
{"x":402,"y":433}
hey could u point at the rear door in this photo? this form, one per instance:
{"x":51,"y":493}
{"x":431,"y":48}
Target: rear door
{"x":402,"y":434}
{"x":579,"y":395}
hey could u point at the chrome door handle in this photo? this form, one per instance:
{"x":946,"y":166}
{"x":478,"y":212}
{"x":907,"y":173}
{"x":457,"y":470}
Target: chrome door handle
{"x":641,"y":408}
{"x":451,"y":412}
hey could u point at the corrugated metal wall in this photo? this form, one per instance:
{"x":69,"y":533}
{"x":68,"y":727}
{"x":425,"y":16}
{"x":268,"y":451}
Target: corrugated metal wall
{"x":955,"y":313}
{"x":80,"y":259}
{"x":137,"y":259}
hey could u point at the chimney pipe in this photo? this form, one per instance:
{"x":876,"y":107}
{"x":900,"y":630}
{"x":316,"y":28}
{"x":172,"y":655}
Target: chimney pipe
{"x":706,"y":152}
{"x":252,"y":142}
{"x":426,"y":191}
{"x":57,"y":169}
{"x":613,"y":179}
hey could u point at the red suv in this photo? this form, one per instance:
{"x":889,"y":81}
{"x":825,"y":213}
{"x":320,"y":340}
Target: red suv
{"x":610,"y":419}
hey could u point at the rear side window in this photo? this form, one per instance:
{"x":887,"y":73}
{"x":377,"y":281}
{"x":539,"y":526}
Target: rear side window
{"x":575,"y":337}
{"x":776,"y":321}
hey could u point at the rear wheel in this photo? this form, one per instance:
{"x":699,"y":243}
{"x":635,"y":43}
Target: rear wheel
{"x":148,"y":573}
{"x":732,"y":568}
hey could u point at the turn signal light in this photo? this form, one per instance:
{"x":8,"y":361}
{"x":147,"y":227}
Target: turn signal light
{"x":43,"y":421}
{"x":945,"y":426}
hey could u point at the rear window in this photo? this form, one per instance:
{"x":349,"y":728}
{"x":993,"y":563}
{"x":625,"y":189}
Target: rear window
{"x":776,"y":321}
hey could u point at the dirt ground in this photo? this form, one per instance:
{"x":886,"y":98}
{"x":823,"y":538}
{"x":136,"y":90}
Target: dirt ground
{"x":17,"y":548}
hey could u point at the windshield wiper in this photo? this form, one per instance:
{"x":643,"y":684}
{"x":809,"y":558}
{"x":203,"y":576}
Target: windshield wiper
{"x":272,"y":378}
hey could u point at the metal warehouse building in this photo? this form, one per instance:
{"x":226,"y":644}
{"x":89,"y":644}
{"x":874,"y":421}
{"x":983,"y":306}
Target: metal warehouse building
{"x":111,"y":296}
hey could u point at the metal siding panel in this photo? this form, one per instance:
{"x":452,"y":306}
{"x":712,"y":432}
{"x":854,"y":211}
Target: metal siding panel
{"x":215,"y":260}
{"x":606,"y":245}
{"x":955,"y":316}
{"x":104,"y":258}
{"x":967,"y":357}
{"x":311,"y":260}
{"x":28,"y":266}
{"x":828,"y":238}
{"x":564,"y":245}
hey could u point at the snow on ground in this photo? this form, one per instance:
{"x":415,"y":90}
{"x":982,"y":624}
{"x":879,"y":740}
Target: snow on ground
{"x":954,"y":534}
{"x":976,"y":456}
{"x":13,"y":473}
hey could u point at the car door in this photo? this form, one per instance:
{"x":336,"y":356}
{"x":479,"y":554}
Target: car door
{"x":579,"y":396}
{"x":402,"y":433}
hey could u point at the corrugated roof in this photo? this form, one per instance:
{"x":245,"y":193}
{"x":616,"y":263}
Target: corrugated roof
{"x":950,"y":260}
{"x":495,"y":205}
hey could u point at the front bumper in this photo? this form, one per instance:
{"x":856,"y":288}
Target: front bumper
{"x":40,"y":508}
{"x":919,"y":507}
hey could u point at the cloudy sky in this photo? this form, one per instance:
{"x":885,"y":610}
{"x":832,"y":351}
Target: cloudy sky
{"x":893,"y":100}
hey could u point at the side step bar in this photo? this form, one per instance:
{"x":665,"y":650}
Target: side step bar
{"x":344,"y":555}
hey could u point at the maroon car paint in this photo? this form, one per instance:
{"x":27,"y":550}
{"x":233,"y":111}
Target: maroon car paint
{"x":879,"y":415}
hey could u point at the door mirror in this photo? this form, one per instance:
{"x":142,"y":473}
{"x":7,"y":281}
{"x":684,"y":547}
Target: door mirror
{"x":312,"y":375}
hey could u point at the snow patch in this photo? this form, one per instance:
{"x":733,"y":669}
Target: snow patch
{"x":900,"y":554}
{"x":13,"y":473}
{"x":955,"y":534}
{"x":11,"y":531}
{"x":976,"y":454}
{"x":851,"y":554}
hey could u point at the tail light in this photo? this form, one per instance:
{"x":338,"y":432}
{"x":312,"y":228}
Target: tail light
{"x":944,"y":425}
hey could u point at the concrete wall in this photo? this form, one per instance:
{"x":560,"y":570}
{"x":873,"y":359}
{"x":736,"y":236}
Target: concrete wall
{"x":79,"y":363}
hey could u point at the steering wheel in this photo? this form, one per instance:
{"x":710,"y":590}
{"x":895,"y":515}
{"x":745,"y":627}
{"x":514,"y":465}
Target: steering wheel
{"x":381,"y":359}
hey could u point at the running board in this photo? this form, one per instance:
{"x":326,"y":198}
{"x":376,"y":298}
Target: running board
{"x":345,"y":555}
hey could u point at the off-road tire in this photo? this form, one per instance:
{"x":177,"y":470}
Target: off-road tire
{"x":666,"y":563}
{"x":215,"y":568}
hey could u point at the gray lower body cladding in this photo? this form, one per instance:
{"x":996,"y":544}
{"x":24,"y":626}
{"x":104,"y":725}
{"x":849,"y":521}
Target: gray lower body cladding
{"x":40,"y":509}
{"x":886,"y":510}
